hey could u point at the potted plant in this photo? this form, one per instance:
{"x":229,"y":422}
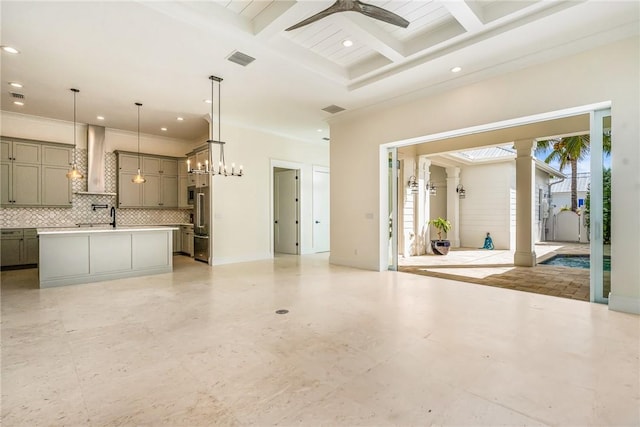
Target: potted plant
{"x":440,"y":247}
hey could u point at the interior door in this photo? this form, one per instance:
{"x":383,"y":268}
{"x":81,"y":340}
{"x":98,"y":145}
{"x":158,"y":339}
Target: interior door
{"x":285,"y":204}
{"x":321,"y":210}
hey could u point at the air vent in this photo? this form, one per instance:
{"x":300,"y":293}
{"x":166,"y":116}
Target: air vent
{"x":333,"y":109}
{"x":241,"y":58}
{"x":16,"y":95}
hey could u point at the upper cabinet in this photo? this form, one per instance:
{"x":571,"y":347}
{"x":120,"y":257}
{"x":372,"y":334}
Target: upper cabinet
{"x":34,"y":173}
{"x":160,"y":191}
{"x":199,"y":159}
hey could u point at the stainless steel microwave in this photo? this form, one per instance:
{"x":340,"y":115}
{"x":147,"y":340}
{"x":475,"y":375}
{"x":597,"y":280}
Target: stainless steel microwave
{"x":191,"y":194}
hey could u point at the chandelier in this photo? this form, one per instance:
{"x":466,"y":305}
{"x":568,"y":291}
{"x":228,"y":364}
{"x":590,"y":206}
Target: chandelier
{"x":222,"y":168}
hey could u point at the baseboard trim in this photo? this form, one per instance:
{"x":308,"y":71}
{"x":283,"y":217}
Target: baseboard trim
{"x":235,"y":260}
{"x":624,"y":304}
{"x":351,"y":263}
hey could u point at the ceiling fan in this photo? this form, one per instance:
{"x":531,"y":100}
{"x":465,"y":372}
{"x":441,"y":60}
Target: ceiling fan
{"x":355,"y":6}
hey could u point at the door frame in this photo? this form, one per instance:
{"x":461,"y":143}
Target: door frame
{"x":384,"y":150}
{"x":274,"y":163}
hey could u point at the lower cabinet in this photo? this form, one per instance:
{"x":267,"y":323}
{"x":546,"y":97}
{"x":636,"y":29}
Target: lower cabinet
{"x":186,"y":235}
{"x":18,"y":247}
{"x":177,"y":241}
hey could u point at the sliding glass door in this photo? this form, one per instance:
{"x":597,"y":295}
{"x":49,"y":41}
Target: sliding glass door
{"x":599,"y":205}
{"x":393,"y":207}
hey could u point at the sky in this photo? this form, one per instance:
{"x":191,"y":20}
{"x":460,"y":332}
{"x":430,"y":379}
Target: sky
{"x":583,"y":165}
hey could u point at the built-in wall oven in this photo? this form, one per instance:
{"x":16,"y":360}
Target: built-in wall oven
{"x":191,"y":194}
{"x":201,"y":224}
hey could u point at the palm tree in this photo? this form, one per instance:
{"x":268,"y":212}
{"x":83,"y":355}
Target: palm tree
{"x":570,"y":150}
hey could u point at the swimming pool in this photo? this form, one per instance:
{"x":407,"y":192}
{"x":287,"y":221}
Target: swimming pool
{"x":575,"y":261}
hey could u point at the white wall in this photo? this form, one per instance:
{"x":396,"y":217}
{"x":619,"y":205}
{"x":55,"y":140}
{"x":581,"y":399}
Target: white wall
{"x":438,"y":203}
{"x":608,"y":73}
{"x":486,"y":205}
{"x":563,"y":199}
{"x":243,"y":223}
{"x":61,"y":131}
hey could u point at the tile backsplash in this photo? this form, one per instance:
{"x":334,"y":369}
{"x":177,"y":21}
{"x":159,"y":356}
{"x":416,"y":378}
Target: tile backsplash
{"x":81,"y":210}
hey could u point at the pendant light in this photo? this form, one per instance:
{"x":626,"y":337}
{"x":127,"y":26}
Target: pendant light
{"x":74,"y":173}
{"x":222,"y":166}
{"x":138,"y":179}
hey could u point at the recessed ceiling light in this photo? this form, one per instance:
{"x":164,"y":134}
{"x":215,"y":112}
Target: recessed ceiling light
{"x":347,"y":43}
{"x":456,"y":69}
{"x":319,"y":130}
{"x":163,"y":129}
{"x":208,"y":101}
{"x":20,"y":103}
{"x":10,"y":49}
{"x":100,"y":117}
{"x":15,"y":84}
{"x":180,"y":119}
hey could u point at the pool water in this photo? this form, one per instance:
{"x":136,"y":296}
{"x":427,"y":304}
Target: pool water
{"x":575,"y":261}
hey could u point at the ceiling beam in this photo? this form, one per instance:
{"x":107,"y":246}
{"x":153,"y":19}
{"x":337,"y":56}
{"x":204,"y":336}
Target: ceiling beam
{"x":366,"y":31}
{"x":468,"y":14}
{"x":274,"y":19}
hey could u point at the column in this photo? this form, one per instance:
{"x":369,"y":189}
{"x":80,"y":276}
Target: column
{"x":525,"y":255}
{"x":453,"y":205}
{"x":422,"y":231}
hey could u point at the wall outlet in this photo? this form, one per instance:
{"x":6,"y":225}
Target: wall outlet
{"x":355,"y":252}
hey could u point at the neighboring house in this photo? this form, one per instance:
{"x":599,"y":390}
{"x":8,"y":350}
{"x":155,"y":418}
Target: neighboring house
{"x":564,"y":225}
{"x":488,"y":176}
{"x":561,"y":192}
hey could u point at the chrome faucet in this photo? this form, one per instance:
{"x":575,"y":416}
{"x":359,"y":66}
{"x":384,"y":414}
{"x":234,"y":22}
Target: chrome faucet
{"x":113,"y":216}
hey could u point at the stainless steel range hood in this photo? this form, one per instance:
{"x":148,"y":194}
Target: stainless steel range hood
{"x":95,"y":162}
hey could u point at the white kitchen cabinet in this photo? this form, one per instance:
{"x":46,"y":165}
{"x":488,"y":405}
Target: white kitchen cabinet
{"x":177,"y":241}
{"x":186,"y":235}
{"x":75,"y":256}
{"x":150,"y":165}
{"x":26,"y":152}
{"x":11,"y":244}
{"x":56,"y":187}
{"x":25,"y":184}
{"x":34,"y":173}
{"x":160,"y":191}
{"x":6,"y":183}
{"x":193,"y":165}
{"x":128,"y":162}
{"x":21,"y":173}
{"x":151,"y":191}
{"x":18,"y":247}
{"x":31,"y":247}
{"x":183,"y":195}
{"x":57,"y":155}
{"x":129,"y":193}
{"x":169,"y":191}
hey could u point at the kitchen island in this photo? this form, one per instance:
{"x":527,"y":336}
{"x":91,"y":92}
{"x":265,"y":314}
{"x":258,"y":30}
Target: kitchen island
{"x":75,"y":255}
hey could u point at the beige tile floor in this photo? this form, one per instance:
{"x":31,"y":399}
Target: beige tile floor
{"x":203,"y":346}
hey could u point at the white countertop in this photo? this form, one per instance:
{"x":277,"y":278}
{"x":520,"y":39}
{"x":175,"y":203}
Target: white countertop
{"x":105,"y":229}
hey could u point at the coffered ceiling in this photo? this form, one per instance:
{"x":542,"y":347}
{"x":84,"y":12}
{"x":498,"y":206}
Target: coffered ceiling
{"x":161,"y":54}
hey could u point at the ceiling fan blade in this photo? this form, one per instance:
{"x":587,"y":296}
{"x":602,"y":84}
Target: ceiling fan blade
{"x":336,"y":7}
{"x":381,"y":14}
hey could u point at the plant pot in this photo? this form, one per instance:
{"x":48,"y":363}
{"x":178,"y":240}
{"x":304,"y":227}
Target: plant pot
{"x":440,"y":247}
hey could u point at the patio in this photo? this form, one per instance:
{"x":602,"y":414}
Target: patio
{"x":495,"y":268}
